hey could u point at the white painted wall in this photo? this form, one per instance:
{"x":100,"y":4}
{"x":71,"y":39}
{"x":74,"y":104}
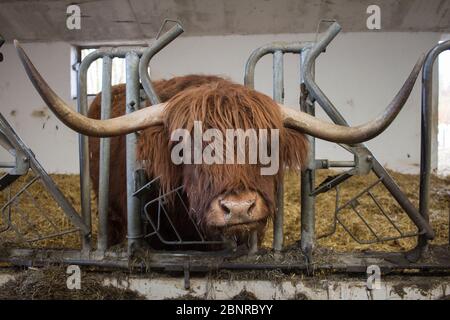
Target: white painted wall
{"x":360,"y":73}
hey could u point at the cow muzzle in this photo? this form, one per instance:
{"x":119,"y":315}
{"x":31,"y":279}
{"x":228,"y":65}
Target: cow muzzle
{"x":243,"y":208}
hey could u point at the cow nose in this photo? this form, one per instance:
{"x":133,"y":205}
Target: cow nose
{"x":237,"y":208}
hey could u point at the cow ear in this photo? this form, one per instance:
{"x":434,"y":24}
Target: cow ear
{"x":154,"y":149}
{"x":294,"y":149}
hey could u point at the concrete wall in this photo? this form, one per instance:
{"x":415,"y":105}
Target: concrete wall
{"x":360,"y":73}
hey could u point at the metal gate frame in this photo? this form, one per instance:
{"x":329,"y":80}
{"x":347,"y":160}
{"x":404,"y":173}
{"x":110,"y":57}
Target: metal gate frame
{"x":137,"y":61}
{"x":24,"y":160}
{"x":364,"y":161}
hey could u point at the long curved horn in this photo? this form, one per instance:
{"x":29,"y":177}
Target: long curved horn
{"x":131,"y":122}
{"x":313,"y":126}
{"x":146,"y":117}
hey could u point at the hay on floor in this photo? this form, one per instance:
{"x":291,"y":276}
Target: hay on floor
{"x":37,"y":224}
{"x":50,"y":283}
{"x":35,"y":214}
{"x":340,"y":240}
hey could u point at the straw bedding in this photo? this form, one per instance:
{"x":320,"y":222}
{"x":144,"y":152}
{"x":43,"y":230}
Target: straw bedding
{"x":338,"y":241}
{"x":50,"y":283}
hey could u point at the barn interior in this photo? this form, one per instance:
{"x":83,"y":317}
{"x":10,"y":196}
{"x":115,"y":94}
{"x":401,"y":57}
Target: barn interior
{"x":361,"y":70}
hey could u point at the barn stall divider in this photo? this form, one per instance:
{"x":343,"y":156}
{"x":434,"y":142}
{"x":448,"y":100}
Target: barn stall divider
{"x":136,"y":256}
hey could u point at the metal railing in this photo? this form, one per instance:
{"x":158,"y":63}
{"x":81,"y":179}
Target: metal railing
{"x":157,"y":213}
{"x":12,"y":213}
{"x":137,"y":63}
{"x":278,"y":49}
{"x":364,"y":161}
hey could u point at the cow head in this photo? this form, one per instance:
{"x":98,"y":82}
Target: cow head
{"x":228,"y":199}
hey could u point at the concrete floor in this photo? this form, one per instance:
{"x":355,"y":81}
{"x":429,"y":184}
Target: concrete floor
{"x":331,"y":287}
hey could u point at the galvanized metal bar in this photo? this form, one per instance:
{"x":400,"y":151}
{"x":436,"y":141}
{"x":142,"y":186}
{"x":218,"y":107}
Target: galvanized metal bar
{"x":257,"y":54}
{"x":42,"y":210}
{"x":173,"y":242}
{"x":31,"y":225}
{"x":307,"y":183}
{"x":53,"y":235}
{"x":402,"y":200}
{"x":104,"y":162}
{"x":82,"y":105}
{"x":278,"y":96}
{"x":59,"y":197}
{"x":325,"y":164}
{"x":378,"y":204}
{"x":18,"y":193}
{"x":336,"y":205}
{"x":327,"y":185}
{"x":426,"y":132}
{"x":5,"y":143}
{"x":132,"y":103}
{"x":113,"y":52}
{"x":278,"y":49}
{"x":202,"y":238}
{"x":364,"y":221}
{"x":166,"y":214}
{"x":357,"y":264}
{"x":313,"y":88}
{"x":7,"y":164}
{"x":359,"y":194}
{"x":156,"y":46}
{"x":83,"y":149}
{"x":334,"y":114}
{"x":346,"y":228}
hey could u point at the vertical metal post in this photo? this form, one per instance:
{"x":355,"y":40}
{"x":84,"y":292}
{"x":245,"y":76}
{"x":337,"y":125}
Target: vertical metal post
{"x":278,"y":96}
{"x":426,"y":134}
{"x":132,"y":104}
{"x":308,"y":175}
{"x":85,"y":192}
{"x":103,"y":192}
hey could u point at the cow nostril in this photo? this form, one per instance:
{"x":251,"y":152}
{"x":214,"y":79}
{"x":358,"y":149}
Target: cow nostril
{"x":252,"y":206}
{"x":225,"y":208}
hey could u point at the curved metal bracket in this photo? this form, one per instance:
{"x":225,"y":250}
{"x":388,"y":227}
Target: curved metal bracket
{"x":158,"y":45}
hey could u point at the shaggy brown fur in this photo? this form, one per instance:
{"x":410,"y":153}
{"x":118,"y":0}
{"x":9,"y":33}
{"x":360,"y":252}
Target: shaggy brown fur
{"x":219,"y":104}
{"x":117,"y":216}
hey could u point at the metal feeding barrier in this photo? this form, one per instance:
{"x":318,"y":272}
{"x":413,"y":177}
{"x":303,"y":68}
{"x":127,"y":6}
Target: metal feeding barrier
{"x":12,"y":213}
{"x":364,"y":161}
{"x":146,"y":217}
{"x":156,"y":213}
{"x":137,"y":61}
{"x":353,"y":204}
